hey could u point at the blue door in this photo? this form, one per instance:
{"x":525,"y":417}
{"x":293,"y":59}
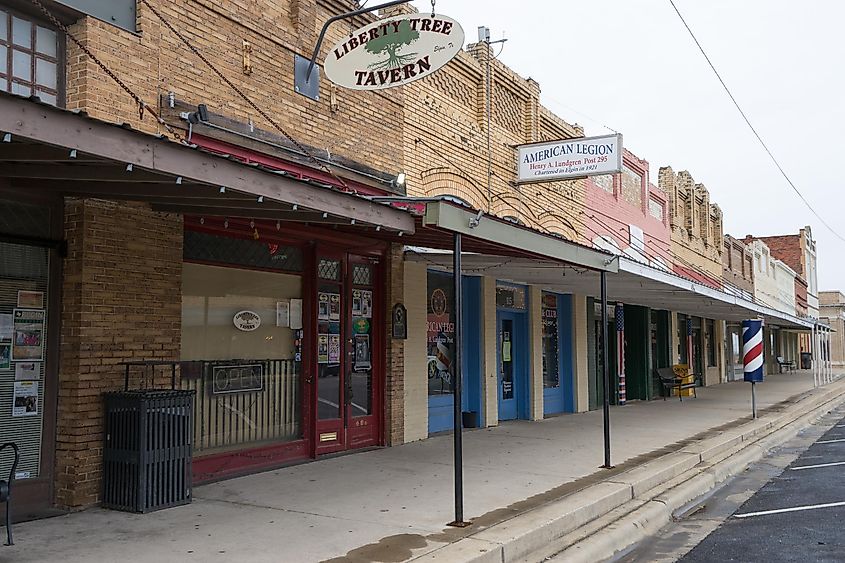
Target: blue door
{"x":512,"y":377}
{"x":558,"y":386}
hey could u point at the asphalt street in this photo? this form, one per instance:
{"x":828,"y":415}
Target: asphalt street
{"x":788,"y":507}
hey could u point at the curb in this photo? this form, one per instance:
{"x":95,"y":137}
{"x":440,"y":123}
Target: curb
{"x":603,"y":519}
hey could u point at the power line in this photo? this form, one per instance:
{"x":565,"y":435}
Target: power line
{"x":243,"y":96}
{"x":750,"y":126}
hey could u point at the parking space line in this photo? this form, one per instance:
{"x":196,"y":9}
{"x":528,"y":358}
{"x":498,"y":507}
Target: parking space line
{"x":817,"y":465}
{"x":830,"y":441}
{"x":793,"y":509}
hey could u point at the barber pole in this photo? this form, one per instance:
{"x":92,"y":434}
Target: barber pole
{"x":620,"y":352}
{"x":752,"y":357}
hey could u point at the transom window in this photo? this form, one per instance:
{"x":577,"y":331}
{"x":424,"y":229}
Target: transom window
{"x":29,"y":57}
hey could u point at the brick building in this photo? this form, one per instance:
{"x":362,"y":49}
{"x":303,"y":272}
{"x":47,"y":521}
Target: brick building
{"x":832,"y":312}
{"x":738,"y":262}
{"x":696,"y":227}
{"x":263,"y":250}
{"x":136,"y":247}
{"x":799,"y":253}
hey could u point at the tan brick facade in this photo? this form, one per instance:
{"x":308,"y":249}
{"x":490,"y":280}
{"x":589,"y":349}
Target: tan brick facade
{"x":738,"y":267}
{"x":696,"y":226}
{"x":363,"y":126}
{"x":121,"y":301}
{"x":446,"y":143}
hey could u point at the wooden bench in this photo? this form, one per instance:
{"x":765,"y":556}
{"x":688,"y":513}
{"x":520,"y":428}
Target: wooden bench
{"x":671,"y":381}
{"x":788,"y":364}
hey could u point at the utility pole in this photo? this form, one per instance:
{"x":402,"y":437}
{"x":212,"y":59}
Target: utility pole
{"x":484,"y":37}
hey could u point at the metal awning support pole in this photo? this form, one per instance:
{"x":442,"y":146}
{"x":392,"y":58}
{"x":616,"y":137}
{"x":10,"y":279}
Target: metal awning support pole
{"x":813,"y":352}
{"x":605,"y":371}
{"x":456,"y":378}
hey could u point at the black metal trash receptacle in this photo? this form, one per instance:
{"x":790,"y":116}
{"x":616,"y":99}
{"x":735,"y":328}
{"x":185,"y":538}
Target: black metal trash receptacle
{"x":806,"y":360}
{"x":147,"y":451}
{"x":470,"y":419}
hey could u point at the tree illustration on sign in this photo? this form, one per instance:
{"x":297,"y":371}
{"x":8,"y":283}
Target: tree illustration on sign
{"x":391,"y":43}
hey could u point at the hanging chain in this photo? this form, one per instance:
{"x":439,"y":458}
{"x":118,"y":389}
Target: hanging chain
{"x":237,"y":90}
{"x":142,"y":105}
{"x":432,"y":7}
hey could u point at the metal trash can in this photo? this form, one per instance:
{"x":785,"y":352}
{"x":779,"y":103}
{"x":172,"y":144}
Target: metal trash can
{"x":806,"y":360}
{"x":147,"y":451}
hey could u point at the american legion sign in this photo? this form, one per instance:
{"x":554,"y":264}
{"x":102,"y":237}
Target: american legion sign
{"x":570,"y":158}
{"x":394,"y":51}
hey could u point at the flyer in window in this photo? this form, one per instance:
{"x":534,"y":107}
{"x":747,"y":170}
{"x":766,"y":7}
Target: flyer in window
{"x":334,"y":348}
{"x":25,"y":400}
{"x":30,"y":299}
{"x":334,"y":307}
{"x":283,"y":314}
{"x":366,"y":303}
{"x":362,"y":352}
{"x":356,"y":302}
{"x":5,"y":356}
{"x":27,"y":371}
{"x":28,"y":335}
{"x":5,"y":327}
{"x":323,"y":306}
{"x":322,"y":348}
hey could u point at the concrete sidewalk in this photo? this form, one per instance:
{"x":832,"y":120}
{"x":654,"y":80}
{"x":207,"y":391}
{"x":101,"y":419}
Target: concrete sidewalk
{"x":392,"y":504}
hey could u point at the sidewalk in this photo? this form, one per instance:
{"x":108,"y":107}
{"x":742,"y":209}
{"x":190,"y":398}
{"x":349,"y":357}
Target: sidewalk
{"x":390,"y":504}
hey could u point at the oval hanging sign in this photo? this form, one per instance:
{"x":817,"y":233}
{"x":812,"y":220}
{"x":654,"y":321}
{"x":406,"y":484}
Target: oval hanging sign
{"x":394,"y":51}
{"x":246,"y":321}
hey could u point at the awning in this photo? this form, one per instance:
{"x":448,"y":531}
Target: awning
{"x":45,"y":150}
{"x":439,"y":219}
{"x":633,"y":284}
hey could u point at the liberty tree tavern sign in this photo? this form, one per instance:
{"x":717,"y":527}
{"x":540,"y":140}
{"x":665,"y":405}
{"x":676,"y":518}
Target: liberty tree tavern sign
{"x":394,"y":51}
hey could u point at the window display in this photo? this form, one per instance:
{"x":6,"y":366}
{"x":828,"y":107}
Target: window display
{"x":441,"y":332}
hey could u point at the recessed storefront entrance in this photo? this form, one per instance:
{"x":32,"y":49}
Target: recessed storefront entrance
{"x":281,"y":342}
{"x":512,"y":351}
{"x":346,"y":335}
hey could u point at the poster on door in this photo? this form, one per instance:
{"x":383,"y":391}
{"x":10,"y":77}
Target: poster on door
{"x":356,"y":302}
{"x":322,"y":348}
{"x":366,"y":303}
{"x":334,"y":348}
{"x":334,"y":307}
{"x":323,"y":306}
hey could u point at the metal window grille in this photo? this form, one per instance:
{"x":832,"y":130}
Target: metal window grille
{"x":329,"y":269}
{"x":362,"y":274}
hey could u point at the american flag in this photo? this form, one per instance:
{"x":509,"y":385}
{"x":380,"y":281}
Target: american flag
{"x":620,"y":351}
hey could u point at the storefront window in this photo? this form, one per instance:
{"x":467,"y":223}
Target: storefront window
{"x":683,"y":340}
{"x":441,"y":332}
{"x":709,"y":337}
{"x":241,"y":352}
{"x":23,"y":346}
{"x":551,"y":365}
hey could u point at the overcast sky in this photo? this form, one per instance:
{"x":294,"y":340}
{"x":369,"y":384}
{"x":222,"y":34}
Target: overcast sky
{"x":631,"y":65}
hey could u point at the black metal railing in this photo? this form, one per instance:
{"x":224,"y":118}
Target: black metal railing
{"x":243,"y":402}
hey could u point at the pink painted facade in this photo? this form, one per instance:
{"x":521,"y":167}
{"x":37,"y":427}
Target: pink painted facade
{"x":627,"y":214}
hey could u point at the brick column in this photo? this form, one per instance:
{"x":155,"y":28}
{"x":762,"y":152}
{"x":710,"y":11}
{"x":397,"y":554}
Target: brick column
{"x":581,"y":353}
{"x":121,"y":301}
{"x":490,"y":368}
{"x":394,"y":385}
